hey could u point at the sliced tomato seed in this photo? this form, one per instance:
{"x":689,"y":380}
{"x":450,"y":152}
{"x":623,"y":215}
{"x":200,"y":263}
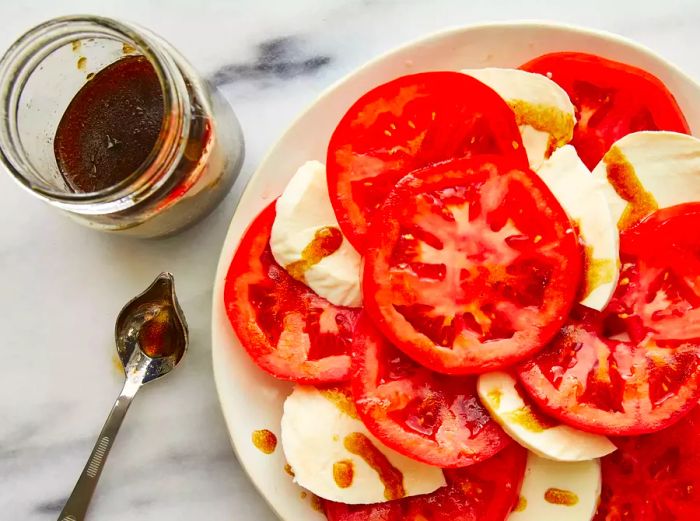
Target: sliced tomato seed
{"x":443,"y":330}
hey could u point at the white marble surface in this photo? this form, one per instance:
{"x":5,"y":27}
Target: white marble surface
{"x":61,"y":285}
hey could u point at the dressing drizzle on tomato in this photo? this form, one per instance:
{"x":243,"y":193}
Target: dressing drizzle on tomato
{"x":472,"y":265}
{"x":635,"y":367}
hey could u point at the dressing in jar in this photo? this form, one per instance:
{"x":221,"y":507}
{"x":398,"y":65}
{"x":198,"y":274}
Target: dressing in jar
{"x":107,"y":122}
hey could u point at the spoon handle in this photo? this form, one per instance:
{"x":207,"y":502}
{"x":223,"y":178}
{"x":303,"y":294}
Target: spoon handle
{"x":78,"y":502}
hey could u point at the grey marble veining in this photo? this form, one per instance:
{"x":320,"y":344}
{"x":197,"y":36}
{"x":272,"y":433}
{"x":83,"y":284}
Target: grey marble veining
{"x":59,"y":281}
{"x":277,"y":59}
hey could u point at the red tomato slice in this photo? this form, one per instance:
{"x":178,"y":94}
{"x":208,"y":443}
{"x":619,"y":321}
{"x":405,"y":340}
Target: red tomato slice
{"x":487,"y":491}
{"x":635,"y":368}
{"x":654,"y":477}
{"x":661,"y":261}
{"x":406,"y":124}
{"x":286,"y":328}
{"x":668,"y":238}
{"x":430,"y":417}
{"x":611,"y":99}
{"x":472,"y":265}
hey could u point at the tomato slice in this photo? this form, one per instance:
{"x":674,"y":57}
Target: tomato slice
{"x":635,"y":368}
{"x":661,"y":261}
{"x":487,"y":491}
{"x":431,"y":417}
{"x":654,"y":477}
{"x":612,"y":99}
{"x":668,"y":238}
{"x":472,"y":265}
{"x":408,"y":123}
{"x":284,"y":326}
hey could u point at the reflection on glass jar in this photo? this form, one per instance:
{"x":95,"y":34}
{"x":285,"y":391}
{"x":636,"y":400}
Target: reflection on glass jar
{"x":105,"y":152}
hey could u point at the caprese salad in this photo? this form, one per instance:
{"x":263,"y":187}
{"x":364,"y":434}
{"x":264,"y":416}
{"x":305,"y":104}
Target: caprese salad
{"x":488,"y":297}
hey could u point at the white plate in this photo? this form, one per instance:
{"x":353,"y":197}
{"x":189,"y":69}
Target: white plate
{"x":252,"y":400}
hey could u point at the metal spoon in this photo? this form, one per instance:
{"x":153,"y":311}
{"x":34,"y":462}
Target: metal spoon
{"x":151,"y":337}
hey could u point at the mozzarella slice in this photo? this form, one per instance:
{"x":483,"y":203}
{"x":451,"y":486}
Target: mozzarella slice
{"x":583,"y":198}
{"x":334,"y":456}
{"x":304,"y":224}
{"x":543,"y":110}
{"x":653,"y":170}
{"x":544,"y":436}
{"x":558,"y":491}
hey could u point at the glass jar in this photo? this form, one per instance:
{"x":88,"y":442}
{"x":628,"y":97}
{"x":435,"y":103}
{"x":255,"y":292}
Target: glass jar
{"x":197,"y":155}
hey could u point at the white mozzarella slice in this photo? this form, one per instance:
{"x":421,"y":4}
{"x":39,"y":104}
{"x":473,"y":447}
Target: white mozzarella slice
{"x":328,"y":448}
{"x":659,"y":169}
{"x":536,"y":143}
{"x":583,"y":198}
{"x":556,"y":490}
{"x":543,"y":110}
{"x":545,"y":437}
{"x":303,"y":215}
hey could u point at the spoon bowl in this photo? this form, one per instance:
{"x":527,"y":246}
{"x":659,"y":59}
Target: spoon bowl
{"x":151,"y":332}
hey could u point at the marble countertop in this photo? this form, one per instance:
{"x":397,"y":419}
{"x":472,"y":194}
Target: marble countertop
{"x":62,"y":285}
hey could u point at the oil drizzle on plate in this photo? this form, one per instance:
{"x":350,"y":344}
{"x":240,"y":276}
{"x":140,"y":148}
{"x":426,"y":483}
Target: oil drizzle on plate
{"x":326,"y":241}
{"x":391,"y":477}
{"x":265,"y":441}
{"x":521,"y":504}
{"x":316,"y":503}
{"x":558,"y":496}
{"x":343,"y":473}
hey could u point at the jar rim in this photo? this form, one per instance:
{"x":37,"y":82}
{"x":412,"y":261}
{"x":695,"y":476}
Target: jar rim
{"x":26,"y":54}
